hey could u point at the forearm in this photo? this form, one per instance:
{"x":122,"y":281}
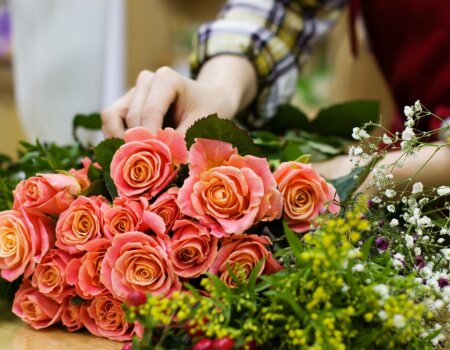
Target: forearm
{"x":235,"y":76}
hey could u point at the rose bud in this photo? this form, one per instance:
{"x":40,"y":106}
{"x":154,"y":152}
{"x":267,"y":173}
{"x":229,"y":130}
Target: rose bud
{"x":224,"y":343}
{"x":203,"y":344}
{"x":136,"y":298}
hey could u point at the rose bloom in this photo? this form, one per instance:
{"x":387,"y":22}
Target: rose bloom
{"x":49,"y":277}
{"x":166,"y":207}
{"x":79,"y":224}
{"x":24,"y":239}
{"x":82,"y":174}
{"x":227,"y":192}
{"x":46,"y":193}
{"x":71,"y":316}
{"x":193,"y":249}
{"x":84,"y":272}
{"x":305,"y":193}
{"x":138,"y":262}
{"x":241,"y":253}
{"x":104,"y":317}
{"x":147,"y":163}
{"x":128,"y":215}
{"x":34,"y":308}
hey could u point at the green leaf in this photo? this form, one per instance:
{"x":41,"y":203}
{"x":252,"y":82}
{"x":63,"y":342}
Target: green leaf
{"x":251,"y":283}
{"x":348,"y":184}
{"x":104,"y":153}
{"x":305,"y":159}
{"x":365,"y":249}
{"x":214,"y":128}
{"x":288,"y":118}
{"x":91,"y":122}
{"x":293,"y":240}
{"x":340,"y":119}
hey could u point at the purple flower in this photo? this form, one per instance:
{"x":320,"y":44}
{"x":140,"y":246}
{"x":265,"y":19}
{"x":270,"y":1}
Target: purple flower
{"x":381,"y":223}
{"x":443,"y":282}
{"x":382,"y":243}
{"x":419,"y":262}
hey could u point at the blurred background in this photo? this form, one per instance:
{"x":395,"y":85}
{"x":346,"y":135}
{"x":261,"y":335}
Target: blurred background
{"x":59,"y":58}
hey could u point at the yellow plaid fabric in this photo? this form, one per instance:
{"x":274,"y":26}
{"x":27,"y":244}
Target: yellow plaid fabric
{"x":275,"y":35}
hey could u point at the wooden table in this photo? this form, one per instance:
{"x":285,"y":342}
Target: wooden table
{"x":16,"y":335}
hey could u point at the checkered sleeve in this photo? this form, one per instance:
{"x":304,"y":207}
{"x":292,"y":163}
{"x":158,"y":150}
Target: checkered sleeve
{"x":275,"y":35}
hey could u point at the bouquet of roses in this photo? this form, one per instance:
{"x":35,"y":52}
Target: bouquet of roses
{"x":142,"y":217}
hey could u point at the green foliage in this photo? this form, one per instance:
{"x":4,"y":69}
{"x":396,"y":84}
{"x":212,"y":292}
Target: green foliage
{"x":90,"y":122}
{"x":328,"y":297}
{"x":214,"y":128}
{"x":104,"y":153}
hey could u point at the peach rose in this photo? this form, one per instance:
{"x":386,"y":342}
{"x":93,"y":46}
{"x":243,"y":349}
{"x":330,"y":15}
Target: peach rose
{"x":166,"y":207}
{"x":82,"y":174}
{"x":193,"y":249}
{"x":24,"y":239}
{"x":305,"y":193}
{"x":241,"y":254}
{"x":71,"y":316}
{"x":104,"y":317}
{"x":138,"y":262}
{"x":147,"y":163}
{"x":130,"y":215}
{"x":46,"y":193}
{"x":84,"y":272}
{"x":79,"y":224}
{"x":227,"y":192}
{"x":49,"y":277}
{"x":34,"y":308}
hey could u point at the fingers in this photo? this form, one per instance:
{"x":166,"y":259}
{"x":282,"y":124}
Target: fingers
{"x":113,"y":117}
{"x":143,"y":86}
{"x":165,"y":88}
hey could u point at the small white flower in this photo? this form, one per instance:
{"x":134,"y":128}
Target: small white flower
{"x":408,"y":134}
{"x":399,"y":321}
{"x":418,"y":106}
{"x":446,"y":253}
{"x":409,"y":241}
{"x":389,"y":193}
{"x":417,"y":251}
{"x":438,"y":304}
{"x":360,"y":134}
{"x":417,"y":188}
{"x":394,"y":223}
{"x":424,"y":221}
{"x":440,"y":240}
{"x":409,"y":112}
{"x":382,"y":290}
{"x":387,"y":140}
{"x":443,"y":190}
{"x":409,"y":122}
{"x":383,"y":315}
{"x":376,"y":199}
{"x":357,"y":151}
{"x":345,"y":288}
{"x":443,"y":231}
{"x":358,"y":268}
{"x":391,"y":208}
{"x":425,"y":238}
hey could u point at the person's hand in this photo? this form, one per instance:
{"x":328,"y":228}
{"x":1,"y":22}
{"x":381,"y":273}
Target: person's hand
{"x":225,"y":85}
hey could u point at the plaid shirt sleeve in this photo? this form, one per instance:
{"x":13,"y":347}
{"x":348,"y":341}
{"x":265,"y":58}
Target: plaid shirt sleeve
{"x":275,"y":35}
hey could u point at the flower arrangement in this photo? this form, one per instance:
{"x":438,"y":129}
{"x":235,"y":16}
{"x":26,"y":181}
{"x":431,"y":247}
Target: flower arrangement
{"x":226,"y":240}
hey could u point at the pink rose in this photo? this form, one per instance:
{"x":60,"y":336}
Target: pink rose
{"x":79,"y":224}
{"x":84,"y":272}
{"x":81,"y":175}
{"x":138,"y":262}
{"x":147,"y":163}
{"x":24,"y":239}
{"x":46,"y":193}
{"x":193,"y":249}
{"x":49,"y":277}
{"x":130,"y":215}
{"x":35,"y":308}
{"x":305,"y":193}
{"x":241,"y":254}
{"x":71,"y":316}
{"x":227,"y":192}
{"x":104,"y":317}
{"x":166,"y":207}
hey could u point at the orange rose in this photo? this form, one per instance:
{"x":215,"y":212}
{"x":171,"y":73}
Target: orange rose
{"x":305,"y":193}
